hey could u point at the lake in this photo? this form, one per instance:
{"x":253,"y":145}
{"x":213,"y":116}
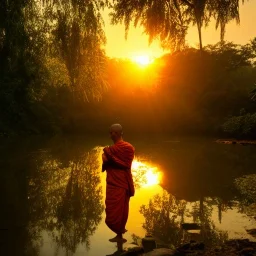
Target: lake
{"x":53,"y":191}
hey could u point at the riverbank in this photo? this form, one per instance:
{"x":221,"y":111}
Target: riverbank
{"x":235,"y":141}
{"x":235,"y":247}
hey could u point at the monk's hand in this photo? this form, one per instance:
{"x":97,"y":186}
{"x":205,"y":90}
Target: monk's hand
{"x":104,"y":158}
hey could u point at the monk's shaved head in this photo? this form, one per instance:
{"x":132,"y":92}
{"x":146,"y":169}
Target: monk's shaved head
{"x":116,"y":128}
{"x":116,"y":132}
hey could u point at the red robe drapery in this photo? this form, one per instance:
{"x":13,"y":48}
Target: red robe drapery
{"x":120,"y":185}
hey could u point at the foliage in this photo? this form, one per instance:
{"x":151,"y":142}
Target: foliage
{"x":223,"y":12}
{"x":184,"y":92}
{"x":47,"y":47}
{"x":164,"y":215}
{"x":161,"y":19}
{"x":162,"y":218}
{"x":246,"y":186}
{"x":70,"y":196}
{"x":55,"y":188}
{"x":243,"y":126}
{"x":247,"y":198}
{"x":169,"y":20}
{"x":79,"y":38}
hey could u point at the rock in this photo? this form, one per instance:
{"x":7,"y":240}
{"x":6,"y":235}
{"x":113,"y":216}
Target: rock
{"x":184,"y":247}
{"x":194,"y":235}
{"x":117,"y":253}
{"x":240,"y":142}
{"x":225,"y":141}
{"x":148,"y":243}
{"x":161,"y":252}
{"x":134,"y":251}
{"x":191,"y":246}
{"x":190,"y":226}
{"x":234,"y":247}
{"x":197,"y":246}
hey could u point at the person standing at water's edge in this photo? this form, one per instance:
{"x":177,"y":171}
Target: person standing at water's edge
{"x":117,"y":161}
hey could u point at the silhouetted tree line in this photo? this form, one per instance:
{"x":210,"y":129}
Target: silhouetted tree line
{"x":55,"y":76}
{"x":187,"y":92}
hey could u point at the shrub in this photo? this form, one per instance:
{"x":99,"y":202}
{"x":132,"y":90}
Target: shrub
{"x":243,"y":126}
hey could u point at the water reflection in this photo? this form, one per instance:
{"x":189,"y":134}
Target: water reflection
{"x":52,"y":200}
{"x":196,"y":168}
{"x":145,"y":174}
{"x":66,"y":201}
{"x":164,"y":215}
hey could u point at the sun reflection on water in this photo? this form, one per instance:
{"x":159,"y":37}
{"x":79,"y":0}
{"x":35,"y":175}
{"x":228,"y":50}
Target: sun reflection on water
{"x":144,"y":174}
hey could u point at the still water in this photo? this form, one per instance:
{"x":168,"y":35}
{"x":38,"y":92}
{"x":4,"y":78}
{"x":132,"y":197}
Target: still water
{"x":52,"y":194}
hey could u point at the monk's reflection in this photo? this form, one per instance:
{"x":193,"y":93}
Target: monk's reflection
{"x":120,"y":249}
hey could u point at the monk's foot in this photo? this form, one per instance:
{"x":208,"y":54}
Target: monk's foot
{"x":118,"y":239}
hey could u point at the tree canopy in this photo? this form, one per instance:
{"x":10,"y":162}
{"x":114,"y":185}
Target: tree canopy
{"x":169,"y":20}
{"x":37,"y":37}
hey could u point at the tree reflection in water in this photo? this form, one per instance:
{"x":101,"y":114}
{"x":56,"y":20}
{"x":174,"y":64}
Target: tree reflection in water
{"x":246,"y":185}
{"x":202,"y":213}
{"x":67,"y":200}
{"x":164,"y":215}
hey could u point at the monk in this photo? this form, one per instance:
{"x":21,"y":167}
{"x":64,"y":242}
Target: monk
{"x":117,"y":161}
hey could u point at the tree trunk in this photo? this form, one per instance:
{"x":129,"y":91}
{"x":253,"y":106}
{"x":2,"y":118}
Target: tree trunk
{"x":199,"y":28}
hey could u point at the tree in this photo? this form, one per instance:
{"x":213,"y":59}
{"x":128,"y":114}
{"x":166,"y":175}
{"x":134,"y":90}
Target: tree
{"x":198,"y":13}
{"x":164,"y":215}
{"x":70,"y":194}
{"x":170,"y":19}
{"x":77,"y":38}
{"x":224,"y":11}
{"x":20,"y":62}
{"x":35,"y":33}
{"x":163,"y":19}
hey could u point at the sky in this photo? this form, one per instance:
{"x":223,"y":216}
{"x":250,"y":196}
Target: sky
{"x":137,"y":42}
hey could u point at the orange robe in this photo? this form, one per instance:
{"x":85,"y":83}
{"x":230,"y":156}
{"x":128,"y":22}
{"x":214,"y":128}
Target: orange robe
{"x":120,"y":185}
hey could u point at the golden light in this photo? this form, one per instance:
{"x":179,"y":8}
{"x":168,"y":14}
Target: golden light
{"x":142,"y":60}
{"x":144,"y":174}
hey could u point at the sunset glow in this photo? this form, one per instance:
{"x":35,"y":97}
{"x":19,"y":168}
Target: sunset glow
{"x":142,"y":60}
{"x":137,"y":40}
{"x":145,"y":174}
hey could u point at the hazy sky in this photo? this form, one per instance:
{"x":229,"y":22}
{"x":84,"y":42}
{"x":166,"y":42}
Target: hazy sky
{"x":137,"y":43}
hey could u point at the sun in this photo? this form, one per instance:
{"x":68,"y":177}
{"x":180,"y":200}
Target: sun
{"x":142,"y":60}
